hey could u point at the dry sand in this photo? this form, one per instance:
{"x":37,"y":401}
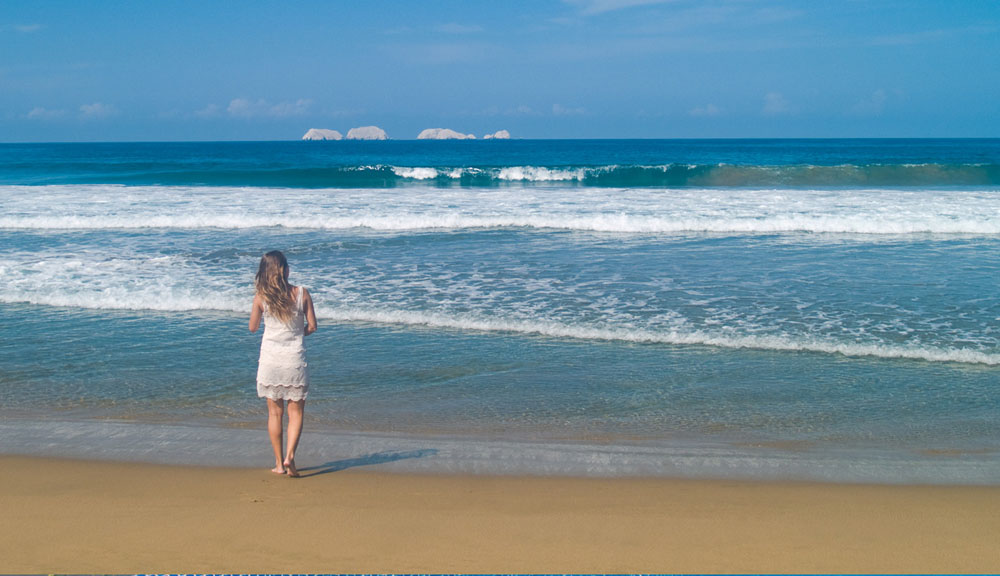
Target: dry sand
{"x":74,"y":516}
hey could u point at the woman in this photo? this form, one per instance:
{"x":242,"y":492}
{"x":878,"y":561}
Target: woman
{"x":282,"y":371}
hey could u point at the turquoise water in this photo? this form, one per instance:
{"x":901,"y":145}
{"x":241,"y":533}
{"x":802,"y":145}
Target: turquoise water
{"x":782,"y":309}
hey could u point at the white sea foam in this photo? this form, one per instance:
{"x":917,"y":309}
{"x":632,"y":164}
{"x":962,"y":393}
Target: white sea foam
{"x":626,"y":211}
{"x":693,"y":337}
{"x":416,"y":173}
{"x":122,"y":275}
{"x":614,"y":223}
{"x":508,"y":174}
{"x":537,"y":174}
{"x":150,"y":291}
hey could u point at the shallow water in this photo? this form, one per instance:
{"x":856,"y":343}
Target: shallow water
{"x":538,"y":321}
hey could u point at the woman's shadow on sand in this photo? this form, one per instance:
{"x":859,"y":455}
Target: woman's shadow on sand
{"x":366,"y":460}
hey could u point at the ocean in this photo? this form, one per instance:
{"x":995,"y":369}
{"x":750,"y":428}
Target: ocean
{"x":767,"y":309}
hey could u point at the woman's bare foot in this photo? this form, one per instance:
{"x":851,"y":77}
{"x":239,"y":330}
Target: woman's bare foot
{"x":278,"y":469}
{"x":290,"y":468}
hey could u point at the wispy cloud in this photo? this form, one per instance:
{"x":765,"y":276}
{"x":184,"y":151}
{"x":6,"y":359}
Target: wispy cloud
{"x":93,"y":111}
{"x":560,"y":110}
{"x":39,"y":113}
{"x":21,"y":28}
{"x":775,"y":104}
{"x":590,"y":7}
{"x":680,"y":28}
{"x":244,"y":108}
{"x":936,"y":35}
{"x":210,"y":111}
{"x":706,"y":111}
{"x":97,"y":111}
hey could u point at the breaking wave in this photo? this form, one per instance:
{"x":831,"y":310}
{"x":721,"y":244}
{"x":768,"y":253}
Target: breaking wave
{"x":670,"y":175}
{"x":688,"y":175}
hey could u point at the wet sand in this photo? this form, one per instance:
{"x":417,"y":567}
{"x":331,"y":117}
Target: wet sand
{"x":86,"y":516}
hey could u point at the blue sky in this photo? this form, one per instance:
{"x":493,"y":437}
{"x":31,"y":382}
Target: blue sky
{"x":186,"y":70}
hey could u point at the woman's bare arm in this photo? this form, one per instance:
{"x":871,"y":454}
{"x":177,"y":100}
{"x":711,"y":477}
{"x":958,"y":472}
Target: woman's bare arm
{"x":307,"y":303}
{"x":255,"y":313}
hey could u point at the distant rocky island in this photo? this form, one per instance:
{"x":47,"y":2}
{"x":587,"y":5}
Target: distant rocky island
{"x":444,"y":134}
{"x":322,"y":134}
{"x":376,"y":133}
{"x":499,"y":135}
{"x":367,"y":133}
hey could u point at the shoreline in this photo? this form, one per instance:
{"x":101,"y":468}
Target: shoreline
{"x":65,"y":515}
{"x":205,"y":445}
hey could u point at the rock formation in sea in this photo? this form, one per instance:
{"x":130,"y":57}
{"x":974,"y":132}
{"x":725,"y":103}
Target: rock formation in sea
{"x":322,"y":134}
{"x":443,"y":134}
{"x":367,"y":133}
{"x":501,"y":135}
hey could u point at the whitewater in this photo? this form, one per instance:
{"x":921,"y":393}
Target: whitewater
{"x":626,"y":211}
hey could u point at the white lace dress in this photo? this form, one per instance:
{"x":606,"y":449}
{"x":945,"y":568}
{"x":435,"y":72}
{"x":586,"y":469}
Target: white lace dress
{"x":282,"y":372}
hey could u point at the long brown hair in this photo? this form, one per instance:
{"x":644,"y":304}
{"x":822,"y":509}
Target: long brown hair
{"x":272,"y":284}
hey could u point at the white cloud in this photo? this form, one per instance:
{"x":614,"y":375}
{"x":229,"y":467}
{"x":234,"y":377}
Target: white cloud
{"x":243,"y":108}
{"x":872,"y":105}
{"x":285,"y":109}
{"x":210,"y":111}
{"x":708,"y":110}
{"x":602,"y":6}
{"x":97,"y":110}
{"x":775,"y":104}
{"x":39,"y":113}
{"x":560,"y":110}
{"x":21,"y":28}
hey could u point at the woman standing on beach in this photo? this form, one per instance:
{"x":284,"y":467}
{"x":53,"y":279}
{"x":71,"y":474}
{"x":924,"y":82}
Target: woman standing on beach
{"x":282,"y":372}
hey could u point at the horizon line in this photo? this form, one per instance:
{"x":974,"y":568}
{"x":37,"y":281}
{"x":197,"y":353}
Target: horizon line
{"x":494,"y":140}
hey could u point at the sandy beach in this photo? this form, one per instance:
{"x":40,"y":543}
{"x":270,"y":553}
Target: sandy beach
{"x":87,"y":516}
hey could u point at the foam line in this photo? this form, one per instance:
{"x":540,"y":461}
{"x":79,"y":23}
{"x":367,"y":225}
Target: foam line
{"x":540,"y":327}
{"x":864,"y":212}
{"x":696,"y":337}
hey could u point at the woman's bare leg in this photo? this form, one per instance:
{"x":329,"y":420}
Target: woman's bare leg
{"x":275,"y":417}
{"x":296,"y":414}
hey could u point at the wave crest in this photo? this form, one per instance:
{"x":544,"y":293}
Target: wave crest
{"x":697,"y":175}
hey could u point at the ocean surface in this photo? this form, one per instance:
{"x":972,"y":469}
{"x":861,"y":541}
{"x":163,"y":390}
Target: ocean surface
{"x":774,"y":309}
